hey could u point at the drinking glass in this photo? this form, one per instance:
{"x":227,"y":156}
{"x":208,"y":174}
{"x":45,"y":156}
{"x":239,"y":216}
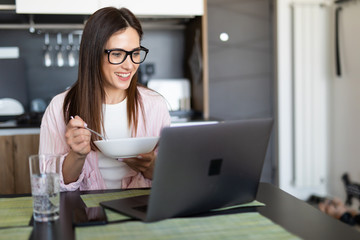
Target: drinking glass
{"x":45,"y":186}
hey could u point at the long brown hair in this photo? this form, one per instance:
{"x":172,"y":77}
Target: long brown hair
{"x":86,"y":96}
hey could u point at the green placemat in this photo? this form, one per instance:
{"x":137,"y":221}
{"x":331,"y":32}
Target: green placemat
{"x":15,"y":211}
{"x":16,"y":233}
{"x":233,"y":226}
{"x":115,"y":216}
{"x":93,"y":200}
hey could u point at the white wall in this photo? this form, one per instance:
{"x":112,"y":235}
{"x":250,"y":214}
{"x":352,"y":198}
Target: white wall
{"x":345,"y":102}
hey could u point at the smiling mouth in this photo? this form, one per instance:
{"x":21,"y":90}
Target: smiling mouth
{"x":123,"y":75}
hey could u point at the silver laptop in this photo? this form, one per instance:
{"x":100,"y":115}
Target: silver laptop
{"x":200,"y":168}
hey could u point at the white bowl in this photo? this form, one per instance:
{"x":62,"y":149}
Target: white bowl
{"x":126,"y":147}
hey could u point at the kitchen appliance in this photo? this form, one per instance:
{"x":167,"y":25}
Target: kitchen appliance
{"x":10,"y":108}
{"x":177,"y":94}
{"x":30,"y":119}
{"x":175,"y":91}
{"x":38,"y":105}
{"x":146,"y":71}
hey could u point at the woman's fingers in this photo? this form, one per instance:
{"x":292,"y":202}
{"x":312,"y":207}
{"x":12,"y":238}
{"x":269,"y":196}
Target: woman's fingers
{"x":76,"y":122}
{"x":141,"y":163}
{"x":77,"y":137}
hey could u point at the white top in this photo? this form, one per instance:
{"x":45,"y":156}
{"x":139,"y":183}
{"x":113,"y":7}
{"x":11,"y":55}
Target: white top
{"x":116,"y":126}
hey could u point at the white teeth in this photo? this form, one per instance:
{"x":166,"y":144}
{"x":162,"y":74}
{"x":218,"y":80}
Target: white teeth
{"x":124,"y":75}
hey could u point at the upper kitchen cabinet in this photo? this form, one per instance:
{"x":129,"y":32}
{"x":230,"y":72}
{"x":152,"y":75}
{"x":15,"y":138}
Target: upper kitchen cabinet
{"x":56,"y":7}
{"x":160,"y":8}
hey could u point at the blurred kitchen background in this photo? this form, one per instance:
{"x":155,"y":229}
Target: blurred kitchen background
{"x":191,"y":61}
{"x":296,"y":61}
{"x":45,"y":58}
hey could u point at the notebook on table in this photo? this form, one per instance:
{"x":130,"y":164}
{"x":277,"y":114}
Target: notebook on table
{"x":200,"y":168}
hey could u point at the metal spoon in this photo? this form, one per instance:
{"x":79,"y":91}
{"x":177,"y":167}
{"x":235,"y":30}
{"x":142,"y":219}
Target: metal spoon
{"x":96,"y":133}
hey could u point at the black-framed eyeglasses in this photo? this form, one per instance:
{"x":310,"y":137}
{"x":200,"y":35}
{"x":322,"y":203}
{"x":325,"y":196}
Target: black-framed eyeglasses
{"x":118,"y":55}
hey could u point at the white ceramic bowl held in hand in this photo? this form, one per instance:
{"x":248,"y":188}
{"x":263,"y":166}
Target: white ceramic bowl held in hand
{"x":126,"y":147}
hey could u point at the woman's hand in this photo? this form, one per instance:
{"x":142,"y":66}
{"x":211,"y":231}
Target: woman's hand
{"x":77,"y":137}
{"x":143,"y":163}
{"x":335,"y":208}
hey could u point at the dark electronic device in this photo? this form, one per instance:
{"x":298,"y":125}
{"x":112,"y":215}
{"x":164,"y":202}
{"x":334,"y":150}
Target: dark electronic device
{"x":200,"y":168}
{"x":89,"y":216}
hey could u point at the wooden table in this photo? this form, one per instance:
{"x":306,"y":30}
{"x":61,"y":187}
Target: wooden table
{"x":294,"y":215}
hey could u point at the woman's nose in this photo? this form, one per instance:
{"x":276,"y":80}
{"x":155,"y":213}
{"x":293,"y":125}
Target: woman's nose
{"x":128,"y":64}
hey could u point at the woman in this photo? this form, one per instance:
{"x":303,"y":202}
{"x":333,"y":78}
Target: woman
{"x":106,"y":97}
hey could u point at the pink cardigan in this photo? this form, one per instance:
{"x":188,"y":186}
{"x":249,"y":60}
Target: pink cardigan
{"x":52,"y":140}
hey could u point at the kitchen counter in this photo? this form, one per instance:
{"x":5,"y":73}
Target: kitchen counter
{"x":29,"y":120}
{"x":14,"y":124}
{"x":188,"y":118}
{"x":191,"y":123}
{"x":30,"y":123}
{"x":19,"y":131}
{"x":13,"y":128}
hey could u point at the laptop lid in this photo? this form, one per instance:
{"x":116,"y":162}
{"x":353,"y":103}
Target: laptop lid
{"x":199,"y":168}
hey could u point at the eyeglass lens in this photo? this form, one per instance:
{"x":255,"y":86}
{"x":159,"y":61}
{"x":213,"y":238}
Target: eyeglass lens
{"x":118,"y":56}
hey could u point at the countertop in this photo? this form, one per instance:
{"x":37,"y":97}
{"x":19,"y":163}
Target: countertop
{"x":26,"y":120}
{"x":24,"y":124}
{"x":30,"y":123}
{"x":13,"y":124}
{"x":12,"y":128}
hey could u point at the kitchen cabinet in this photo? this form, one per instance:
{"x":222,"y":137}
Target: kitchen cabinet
{"x":159,"y":7}
{"x":7,"y":182}
{"x":87,"y":7}
{"x":56,"y":7}
{"x":14,"y":164}
{"x":240,"y":64}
